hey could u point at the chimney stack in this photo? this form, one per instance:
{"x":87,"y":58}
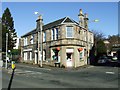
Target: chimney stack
{"x":81,"y":18}
{"x":86,"y":21}
{"x":39,"y":23}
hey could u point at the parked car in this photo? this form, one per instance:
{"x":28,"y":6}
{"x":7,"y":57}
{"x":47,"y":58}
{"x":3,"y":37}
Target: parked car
{"x":114,"y":57}
{"x":109,"y":58}
{"x":103,"y":60}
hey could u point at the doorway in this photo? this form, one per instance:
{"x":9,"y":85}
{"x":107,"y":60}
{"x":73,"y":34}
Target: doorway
{"x":69,"y":61}
{"x":36,"y":57}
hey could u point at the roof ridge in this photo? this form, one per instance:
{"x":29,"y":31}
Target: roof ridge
{"x":54,"y":21}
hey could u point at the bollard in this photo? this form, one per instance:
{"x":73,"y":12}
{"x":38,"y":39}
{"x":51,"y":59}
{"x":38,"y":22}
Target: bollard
{"x":13,"y":65}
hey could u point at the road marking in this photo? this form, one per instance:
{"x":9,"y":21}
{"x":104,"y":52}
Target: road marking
{"x":90,"y":66}
{"x":33,"y":72}
{"x":110,"y":72}
{"x":23,"y":72}
{"x":35,"y":67}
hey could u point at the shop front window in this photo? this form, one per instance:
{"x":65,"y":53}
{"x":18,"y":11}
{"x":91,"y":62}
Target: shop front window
{"x":55,"y":56}
{"x":80,"y":56}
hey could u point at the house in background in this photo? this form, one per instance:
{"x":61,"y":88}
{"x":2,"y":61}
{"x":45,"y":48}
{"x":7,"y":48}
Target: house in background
{"x":114,"y":50}
{"x":64,"y":40}
{"x":107,"y":43}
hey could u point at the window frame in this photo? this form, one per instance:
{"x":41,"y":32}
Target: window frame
{"x":56,"y":33}
{"x":32,"y":39}
{"x":67,"y":32}
{"x":52,"y":34}
{"x":44,"y":36}
{"x":25,"y":41}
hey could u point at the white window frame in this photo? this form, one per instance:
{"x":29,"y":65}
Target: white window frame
{"x":25,"y":56}
{"x":44,"y":36}
{"x":85,"y":33}
{"x":52,"y":34}
{"x":44,"y":55}
{"x":67,"y":32}
{"x":25,"y":41}
{"x":56,"y":33}
{"x":32,"y":38}
{"x":30,"y":56}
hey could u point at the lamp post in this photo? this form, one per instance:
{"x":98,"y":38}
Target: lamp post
{"x":39,"y":27}
{"x":6,"y":49}
{"x":95,"y":20}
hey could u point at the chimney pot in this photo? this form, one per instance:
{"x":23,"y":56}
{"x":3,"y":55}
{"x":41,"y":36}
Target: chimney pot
{"x":86,"y":15}
{"x":81,"y":11}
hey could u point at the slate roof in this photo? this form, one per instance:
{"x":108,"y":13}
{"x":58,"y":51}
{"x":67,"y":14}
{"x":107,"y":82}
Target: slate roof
{"x":52,"y":24}
{"x":29,"y":33}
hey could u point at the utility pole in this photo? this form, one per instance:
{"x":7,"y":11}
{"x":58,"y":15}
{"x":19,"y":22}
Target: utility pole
{"x":41,"y":48}
{"x":6,"y":48}
{"x":87,"y":35}
{"x":39,"y":29}
{"x":38,"y":45}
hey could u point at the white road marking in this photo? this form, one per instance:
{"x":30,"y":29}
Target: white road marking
{"x":36,"y":67}
{"x":110,"y":72}
{"x":33,"y":72}
{"x":23,"y":72}
{"x":90,"y":66}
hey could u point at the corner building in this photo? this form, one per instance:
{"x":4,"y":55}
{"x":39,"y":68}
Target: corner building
{"x":65,"y":41}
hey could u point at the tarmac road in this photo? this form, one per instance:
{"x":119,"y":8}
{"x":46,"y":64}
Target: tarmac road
{"x":30,"y":76}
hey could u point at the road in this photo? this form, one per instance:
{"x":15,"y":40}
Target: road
{"x":29,"y":76}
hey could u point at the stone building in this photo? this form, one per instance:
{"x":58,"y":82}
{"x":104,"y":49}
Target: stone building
{"x":65,"y":41}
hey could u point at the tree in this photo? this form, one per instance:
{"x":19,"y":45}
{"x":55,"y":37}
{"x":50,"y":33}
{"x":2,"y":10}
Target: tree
{"x":98,"y":48}
{"x":101,"y":48}
{"x":98,"y":35}
{"x":8,"y":27}
{"x":114,"y":41}
{"x":98,"y":43}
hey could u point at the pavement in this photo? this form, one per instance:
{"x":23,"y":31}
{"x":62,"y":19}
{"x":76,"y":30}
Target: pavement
{"x":45,"y":66}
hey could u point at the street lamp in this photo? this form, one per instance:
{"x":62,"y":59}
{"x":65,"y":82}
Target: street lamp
{"x":6,"y":49}
{"x":95,"y":20}
{"x":40,"y":24}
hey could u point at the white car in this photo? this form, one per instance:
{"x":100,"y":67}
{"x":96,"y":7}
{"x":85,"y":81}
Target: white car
{"x":114,"y":58}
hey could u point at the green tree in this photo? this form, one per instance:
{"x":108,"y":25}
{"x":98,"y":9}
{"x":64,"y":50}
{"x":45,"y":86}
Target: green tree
{"x":98,"y":48}
{"x":114,"y":41}
{"x":101,"y":48}
{"x":8,"y":27}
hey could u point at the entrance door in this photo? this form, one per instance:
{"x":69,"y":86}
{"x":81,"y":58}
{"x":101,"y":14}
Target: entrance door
{"x":36,"y":58}
{"x":69,"y":59}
